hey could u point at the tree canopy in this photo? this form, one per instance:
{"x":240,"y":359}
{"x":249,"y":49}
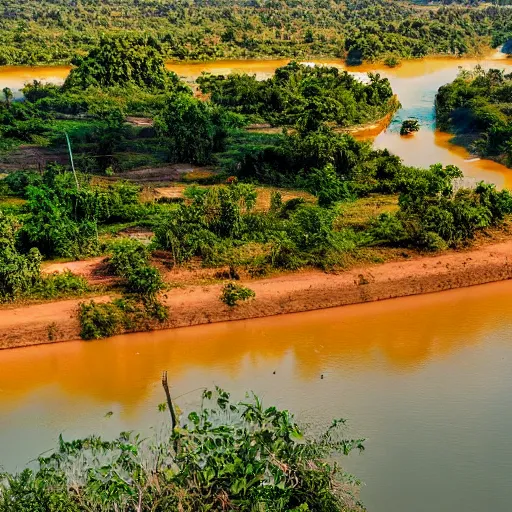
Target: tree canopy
{"x":50,"y":31}
{"x":121,"y":60}
{"x":302,"y":96}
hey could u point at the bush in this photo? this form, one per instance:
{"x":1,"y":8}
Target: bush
{"x":233,"y":293}
{"x":432,"y":217}
{"x":227,"y":455}
{"x":18,"y":272}
{"x":60,"y":285}
{"x":326,"y":185}
{"x":127,"y":255}
{"x":388,"y":229}
{"x":145,"y":282}
{"x":102,"y":320}
{"x":409,"y":126}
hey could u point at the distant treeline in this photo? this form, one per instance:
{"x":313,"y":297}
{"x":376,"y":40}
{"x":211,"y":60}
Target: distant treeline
{"x":50,"y":31}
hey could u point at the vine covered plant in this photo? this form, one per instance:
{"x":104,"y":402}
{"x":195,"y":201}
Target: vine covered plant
{"x":226,"y":456}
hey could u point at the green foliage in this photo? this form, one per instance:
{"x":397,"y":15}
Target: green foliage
{"x":130,"y":260}
{"x":104,"y":319}
{"x":20,"y":275}
{"x":145,"y":282}
{"x":62,"y":220}
{"x":392,"y":61}
{"x":409,"y":126}
{"x":432,"y":216}
{"x":225,"y":456}
{"x":302,"y":96}
{"x":18,"y":272}
{"x":194,"y":129}
{"x":51,"y":228}
{"x":127,"y":255}
{"x":478,"y":103}
{"x":121,"y":60}
{"x":51,"y":31}
{"x":21,"y":122}
{"x":58,"y":285}
{"x":327,"y":186}
{"x":215,"y":213}
{"x":220,"y":226}
{"x":19,"y":181}
{"x":333,"y":166}
{"x":233,"y":293}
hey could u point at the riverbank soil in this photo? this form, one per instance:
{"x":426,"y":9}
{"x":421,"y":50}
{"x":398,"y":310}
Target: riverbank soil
{"x":288,"y":293}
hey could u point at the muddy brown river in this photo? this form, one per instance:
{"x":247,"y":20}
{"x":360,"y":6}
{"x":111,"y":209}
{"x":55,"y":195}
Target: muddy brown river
{"x":426,"y":379}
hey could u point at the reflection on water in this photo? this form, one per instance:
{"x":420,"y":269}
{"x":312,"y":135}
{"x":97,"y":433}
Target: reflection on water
{"x":422,"y":377}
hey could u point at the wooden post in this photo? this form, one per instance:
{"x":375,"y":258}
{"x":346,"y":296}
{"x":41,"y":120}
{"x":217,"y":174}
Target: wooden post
{"x":165,"y":385}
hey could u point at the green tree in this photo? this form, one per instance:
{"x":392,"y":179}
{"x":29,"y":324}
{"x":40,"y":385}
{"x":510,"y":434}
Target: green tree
{"x":194,"y":129}
{"x":122,"y":60}
{"x":18,"y":272}
{"x":8,"y":95}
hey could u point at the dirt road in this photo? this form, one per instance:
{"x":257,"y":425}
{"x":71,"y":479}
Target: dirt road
{"x":289,"y":293}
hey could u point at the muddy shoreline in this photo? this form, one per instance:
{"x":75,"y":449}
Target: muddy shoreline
{"x":290,"y":293}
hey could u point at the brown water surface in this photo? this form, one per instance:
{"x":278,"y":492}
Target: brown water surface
{"x":427,"y":379}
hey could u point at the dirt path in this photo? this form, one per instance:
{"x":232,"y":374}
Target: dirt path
{"x":304,"y":291}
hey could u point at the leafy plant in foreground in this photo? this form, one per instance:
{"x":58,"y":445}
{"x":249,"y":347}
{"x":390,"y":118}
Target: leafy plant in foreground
{"x":225,"y":456}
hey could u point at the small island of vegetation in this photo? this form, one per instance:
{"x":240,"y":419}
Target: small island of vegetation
{"x":409,"y":126}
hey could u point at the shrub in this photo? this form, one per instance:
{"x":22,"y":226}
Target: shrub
{"x":311,"y":227}
{"x":127,"y":255}
{"x":18,"y":272}
{"x":19,"y":181}
{"x":102,"y":320}
{"x":388,"y":228}
{"x":326,"y":185}
{"x":409,"y":126}
{"x":233,"y":293}
{"x":392,"y":61}
{"x":227,"y":455}
{"x":60,"y":285}
{"x":145,"y":282}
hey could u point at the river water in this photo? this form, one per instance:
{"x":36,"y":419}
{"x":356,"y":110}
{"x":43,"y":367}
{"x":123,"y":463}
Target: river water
{"x":427,"y":379}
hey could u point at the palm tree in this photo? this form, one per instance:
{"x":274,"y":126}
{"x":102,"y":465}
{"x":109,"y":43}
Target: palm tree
{"x":8,"y":95}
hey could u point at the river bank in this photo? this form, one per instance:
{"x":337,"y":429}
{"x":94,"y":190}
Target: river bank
{"x":289,"y":293}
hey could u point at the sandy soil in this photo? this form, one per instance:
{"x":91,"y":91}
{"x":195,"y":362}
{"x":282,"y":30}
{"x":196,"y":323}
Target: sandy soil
{"x":304,"y":291}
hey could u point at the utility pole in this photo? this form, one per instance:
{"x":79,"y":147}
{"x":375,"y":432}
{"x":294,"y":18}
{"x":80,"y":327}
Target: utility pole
{"x":71,"y":158}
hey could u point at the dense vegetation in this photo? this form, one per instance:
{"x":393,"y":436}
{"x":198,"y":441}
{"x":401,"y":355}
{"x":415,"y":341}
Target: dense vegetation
{"x":49,"y":31}
{"x":409,"y":126}
{"x":56,"y":213}
{"x":302,"y":96}
{"x":57,"y":218}
{"x":125,"y":75}
{"x":226,"y":456}
{"x":478,"y":105}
